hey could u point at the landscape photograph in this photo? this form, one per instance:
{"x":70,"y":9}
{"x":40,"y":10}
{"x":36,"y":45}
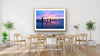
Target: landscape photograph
{"x":50,"y":19}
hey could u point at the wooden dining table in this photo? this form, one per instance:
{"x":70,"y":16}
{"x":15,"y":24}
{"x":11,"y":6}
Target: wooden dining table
{"x":51,"y":39}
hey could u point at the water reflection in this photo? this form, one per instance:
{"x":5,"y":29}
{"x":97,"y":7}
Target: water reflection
{"x":50,"y":23}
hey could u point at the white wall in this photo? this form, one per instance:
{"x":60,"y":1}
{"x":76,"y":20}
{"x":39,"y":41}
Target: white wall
{"x":0,"y":19}
{"x":78,"y":12}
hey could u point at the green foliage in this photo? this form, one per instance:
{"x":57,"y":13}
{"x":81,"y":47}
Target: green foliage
{"x":9,"y":25}
{"x":3,"y":40}
{"x":49,"y":36}
{"x":90,"y":25}
{"x":4,"y":36}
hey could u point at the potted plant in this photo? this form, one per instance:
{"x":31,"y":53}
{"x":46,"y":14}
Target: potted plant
{"x":4,"y":39}
{"x":49,"y":36}
{"x":91,"y":27}
{"x":9,"y":26}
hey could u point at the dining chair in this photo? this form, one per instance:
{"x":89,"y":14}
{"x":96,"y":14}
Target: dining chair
{"x":81,"y":38}
{"x":18,"y":38}
{"x":33,"y":41}
{"x":69,"y":43}
{"x":59,"y":41}
{"x":37,"y":40}
{"x":42,"y":40}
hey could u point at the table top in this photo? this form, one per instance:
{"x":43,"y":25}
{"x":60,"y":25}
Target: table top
{"x":66,"y":36}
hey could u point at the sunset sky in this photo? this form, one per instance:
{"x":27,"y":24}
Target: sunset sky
{"x":53,"y":14}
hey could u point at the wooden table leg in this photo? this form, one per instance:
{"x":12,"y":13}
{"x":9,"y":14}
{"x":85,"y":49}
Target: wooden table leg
{"x":64,"y":49}
{"x":17,"y":45}
{"x":30,"y":45}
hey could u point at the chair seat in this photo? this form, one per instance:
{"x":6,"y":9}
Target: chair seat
{"x":35,"y":43}
{"x":67,"y":43}
{"x":59,"y":42}
{"x":38,"y":43}
{"x":42,"y":39}
{"x":42,"y":42}
{"x":19,"y":40}
{"x":80,"y":40}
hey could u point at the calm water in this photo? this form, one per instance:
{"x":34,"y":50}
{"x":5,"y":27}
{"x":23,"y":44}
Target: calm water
{"x":47,"y":24}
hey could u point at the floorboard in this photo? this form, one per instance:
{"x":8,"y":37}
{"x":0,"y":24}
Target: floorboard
{"x":50,"y":50}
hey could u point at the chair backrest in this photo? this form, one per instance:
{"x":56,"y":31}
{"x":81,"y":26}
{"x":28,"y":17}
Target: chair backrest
{"x":37,"y":38}
{"x":41,"y":39}
{"x":60,"y":39}
{"x":18,"y":36}
{"x":34,"y":37}
{"x":82,"y":36}
{"x":69,"y":38}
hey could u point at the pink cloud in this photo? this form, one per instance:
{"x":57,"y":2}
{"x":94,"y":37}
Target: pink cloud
{"x":49,"y":15}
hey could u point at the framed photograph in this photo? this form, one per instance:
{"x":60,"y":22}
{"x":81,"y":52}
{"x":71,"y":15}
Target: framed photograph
{"x":49,"y":19}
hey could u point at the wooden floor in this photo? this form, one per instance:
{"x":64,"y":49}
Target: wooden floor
{"x":50,"y":50}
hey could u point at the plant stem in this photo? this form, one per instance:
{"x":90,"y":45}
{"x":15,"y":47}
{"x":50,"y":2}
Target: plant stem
{"x":90,"y":35}
{"x":9,"y":35}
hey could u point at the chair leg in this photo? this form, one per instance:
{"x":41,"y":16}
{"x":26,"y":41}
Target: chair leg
{"x":36,"y":47}
{"x":64,"y":50}
{"x":38,"y":50}
{"x":79,"y":44}
{"x":30,"y":47}
{"x":87,"y":45}
{"x":21,"y":44}
{"x":30,"y":43}
{"x":83,"y":43}
{"x":67,"y":48}
{"x":59,"y":46}
{"x":43,"y":45}
{"x":25,"y":45}
{"x":73,"y":48}
{"x":17,"y":45}
{"x":75,"y":42}
{"x":13,"y":45}
{"x":56,"y":42}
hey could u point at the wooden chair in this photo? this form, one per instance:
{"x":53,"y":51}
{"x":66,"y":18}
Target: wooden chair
{"x":18,"y":38}
{"x":42,"y":40}
{"x":36,"y":41}
{"x":81,"y":38}
{"x":69,"y":42}
{"x":59,"y":41}
{"x":33,"y":41}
